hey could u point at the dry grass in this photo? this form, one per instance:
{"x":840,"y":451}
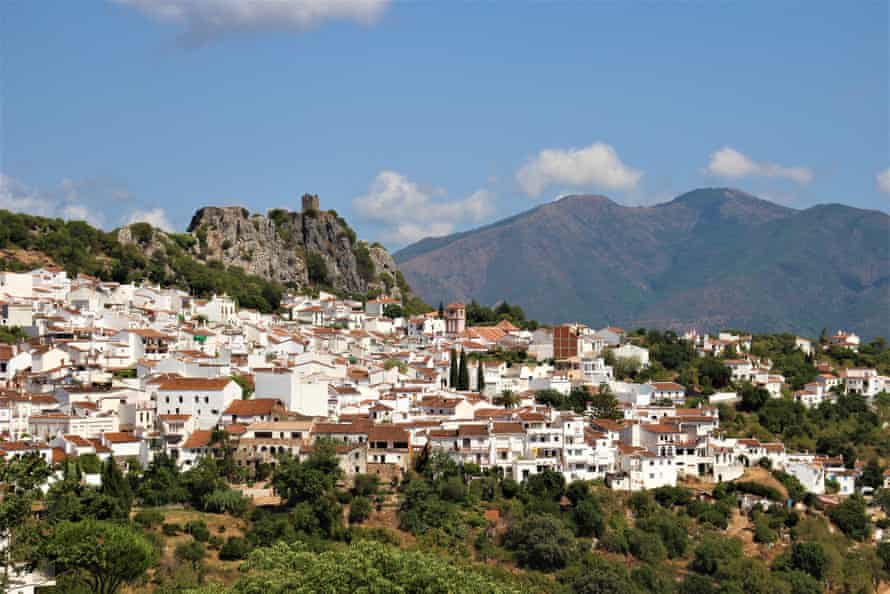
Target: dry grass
{"x":763,"y":476}
{"x":217,"y":571}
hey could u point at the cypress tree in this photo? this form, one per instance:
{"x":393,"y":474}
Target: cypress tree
{"x":441,"y":311}
{"x":480,"y":378}
{"x":463,"y":374}
{"x":115,"y":485}
{"x":452,"y":375}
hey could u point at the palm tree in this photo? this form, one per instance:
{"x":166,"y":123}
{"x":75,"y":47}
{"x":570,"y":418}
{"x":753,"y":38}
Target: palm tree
{"x":507,"y":399}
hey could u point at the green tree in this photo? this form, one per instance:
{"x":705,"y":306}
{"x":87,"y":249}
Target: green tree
{"x":541,"y":542}
{"x":359,"y":510}
{"x":507,"y":399}
{"x":872,"y":475}
{"x":753,"y":398}
{"x":102,"y":555}
{"x":463,"y":375}
{"x":810,"y":558}
{"x":364,"y":566}
{"x":715,"y":551}
{"x":115,"y":485}
{"x":595,"y":575}
{"x":587,"y":518}
{"x":235,"y":548}
{"x":393,"y":311}
{"x":883,"y":552}
{"x":193,"y":553}
{"x":160,"y":483}
{"x":603,"y":404}
{"x":452,"y":372}
{"x":713,"y":373}
{"x":480,"y":377}
{"x":850,"y":516}
{"x":246,"y":385}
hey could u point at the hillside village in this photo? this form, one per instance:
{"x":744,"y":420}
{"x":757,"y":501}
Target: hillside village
{"x":132,"y":372}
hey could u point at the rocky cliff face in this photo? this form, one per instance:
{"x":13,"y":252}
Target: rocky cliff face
{"x":296,"y":249}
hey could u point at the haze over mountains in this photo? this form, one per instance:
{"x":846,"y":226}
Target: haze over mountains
{"x":710,"y":258}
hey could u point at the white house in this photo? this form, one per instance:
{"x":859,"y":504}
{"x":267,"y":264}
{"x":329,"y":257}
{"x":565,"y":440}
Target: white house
{"x":632,"y":351}
{"x":309,"y":398}
{"x":205,"y":399}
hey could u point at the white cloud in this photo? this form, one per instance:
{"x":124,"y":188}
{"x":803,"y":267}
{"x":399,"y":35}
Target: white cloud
{"x":203,"y":20}
{"x":730,"y":163}
{"x":595,"y":165}
{"x":80,"y":212}
{"x":408,"y":212}
{"x":17,"y":197}
{"x":156,"y":217}
{"x":883,"y":179}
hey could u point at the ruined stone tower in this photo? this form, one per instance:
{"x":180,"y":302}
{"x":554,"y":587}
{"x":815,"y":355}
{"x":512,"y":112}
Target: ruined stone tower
{"x":310,"y":202}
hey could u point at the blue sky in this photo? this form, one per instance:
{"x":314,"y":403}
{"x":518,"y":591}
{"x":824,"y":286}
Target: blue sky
{"x":416,"y":118}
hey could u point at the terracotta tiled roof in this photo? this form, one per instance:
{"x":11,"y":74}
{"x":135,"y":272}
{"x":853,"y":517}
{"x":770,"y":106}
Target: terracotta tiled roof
{"x":78,"y":441}
{"x":194,"y":383}
{"x":387,"y":433}
{"x":100,"y":447}
{"x":58,"y":455}
{"x":472,"y":430}
{"x":253,"y":407}
{"x":198,"y":439}
{"x":668,"y":387}
{"x":236,"y":429}
{"x":119,"y":437}
{"x":502,"y":428}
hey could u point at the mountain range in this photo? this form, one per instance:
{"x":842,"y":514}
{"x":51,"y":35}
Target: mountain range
{"x":711,"y":258}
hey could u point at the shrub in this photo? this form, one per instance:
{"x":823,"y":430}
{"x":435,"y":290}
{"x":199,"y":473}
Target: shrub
{"x":365,"y":484}
{"x":615,"y":541}
{"x":758,"y":489}
{"x":236,"y":548}
{"x":642,"y":503}
{"x":317,"y":269}
{"x":171,"y":529}
{"x":646,"y":546}
{"x":198,"y":530}
{"x":149,"y":518}
{"x":225,"y":501}
{"x":669,"y":530}
{"x":762,"y":531}
{"x":714,"y":552}
{"x":453,"y":489}
{"x":191,"y":552}
{"x":509,"y":488}
{"x":382,"y":535}
{"x":359,"y":510}
{"x":671,"y":496}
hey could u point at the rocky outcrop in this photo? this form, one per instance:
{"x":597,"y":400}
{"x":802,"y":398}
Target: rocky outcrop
{"x":313,"y":248}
